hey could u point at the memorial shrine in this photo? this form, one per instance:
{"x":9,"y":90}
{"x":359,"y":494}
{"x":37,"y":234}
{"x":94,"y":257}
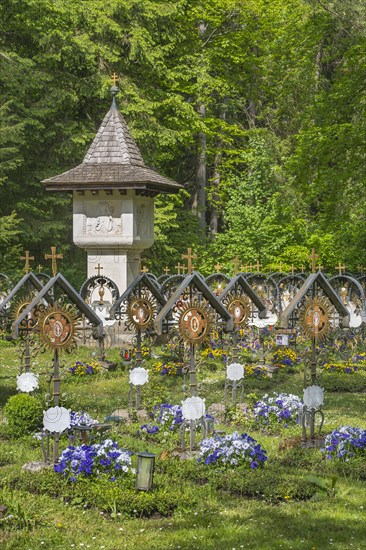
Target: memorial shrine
{"x":113,"y":200}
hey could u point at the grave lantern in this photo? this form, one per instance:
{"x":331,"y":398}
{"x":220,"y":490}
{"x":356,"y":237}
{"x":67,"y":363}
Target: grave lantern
{"x":145,"y":471}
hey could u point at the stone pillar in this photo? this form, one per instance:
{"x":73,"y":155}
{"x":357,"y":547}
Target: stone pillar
{"x":114,"y":227}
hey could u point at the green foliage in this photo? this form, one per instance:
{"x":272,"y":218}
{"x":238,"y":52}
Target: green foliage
{"x":24,"y":414}
{"x":277,"y":123}
{"x":325,"y":487}
{"x":269,"y":485}
{"x":344,"y":383}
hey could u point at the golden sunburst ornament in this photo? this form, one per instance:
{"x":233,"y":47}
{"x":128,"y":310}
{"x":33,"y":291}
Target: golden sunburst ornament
{"x":315,"y":318}
{"x":58,"y":328}
{"x":195,"y":321}
{"x":141,"y":311}
{"x":239,"y":307}
{"x":32,"y":321}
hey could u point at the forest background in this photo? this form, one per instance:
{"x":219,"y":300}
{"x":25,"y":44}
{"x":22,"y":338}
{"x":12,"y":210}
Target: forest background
{"x":258,"y":107}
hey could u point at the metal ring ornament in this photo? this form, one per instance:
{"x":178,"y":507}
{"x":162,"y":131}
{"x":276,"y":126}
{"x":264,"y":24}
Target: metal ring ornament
{"x":315,"y":318}
{"x":58,"y":328}
{"x":195,"y":323}
{"x":239,"y":308}
{"x":141,"y":312}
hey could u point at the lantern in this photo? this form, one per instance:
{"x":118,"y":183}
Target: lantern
{"x":145,"y":471}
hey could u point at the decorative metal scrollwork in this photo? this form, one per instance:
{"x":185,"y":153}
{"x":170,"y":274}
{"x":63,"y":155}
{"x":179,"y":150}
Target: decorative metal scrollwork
{"x":315,"y":317}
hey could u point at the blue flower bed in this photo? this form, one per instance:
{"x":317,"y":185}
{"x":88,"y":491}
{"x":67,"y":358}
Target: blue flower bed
{"x":346,"y":443}
{"x":102,"y":459}
{"x":282,"y":409}
{"x":169,"y":416}
{"x":232,"y":450}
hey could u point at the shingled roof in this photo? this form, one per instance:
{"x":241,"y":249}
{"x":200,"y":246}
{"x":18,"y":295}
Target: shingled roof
{"x":113,"y":161}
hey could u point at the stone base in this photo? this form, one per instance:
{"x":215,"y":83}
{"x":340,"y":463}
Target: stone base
{"x":317,"y":443}
{"x":124,"y":415}
{"x":36,"y":466}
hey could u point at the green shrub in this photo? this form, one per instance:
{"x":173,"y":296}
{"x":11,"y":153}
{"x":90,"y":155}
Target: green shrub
{"x":269,"y":485}
{"x":344,"y":382}
{"x":24,"y":414}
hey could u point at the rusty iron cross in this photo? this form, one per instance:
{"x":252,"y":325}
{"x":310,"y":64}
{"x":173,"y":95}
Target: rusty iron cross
{"x":341,"y":268}
{"x":258,"y":266}
{"x":189,"y":257}
{"x":99,"y":268}
{"x":27,"y":258}
{"x":313,"y":259}
{"x":53,"y":256}
{"x":236,"y":265}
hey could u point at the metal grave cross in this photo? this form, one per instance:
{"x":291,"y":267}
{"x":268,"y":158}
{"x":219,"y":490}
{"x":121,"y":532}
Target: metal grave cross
{"x":53,"y":256}
{"x":166,"y":270}
{"x":218,"y":267}
{"x":189,"y":257}
{"x":99,"y":268}
{"x":313,"y":259}
{"x":27,"y":258}
{"x":341,"y":268}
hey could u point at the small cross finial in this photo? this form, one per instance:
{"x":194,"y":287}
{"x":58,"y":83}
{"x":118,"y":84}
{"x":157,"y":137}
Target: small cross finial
{"x":341,"y":268}
{"x":99,"y":268}
{"x":178,"y":267}
{"x":258,"y":266}
{"x":361,"y":269}
{"x":39,"y":267}
{"x":114,"y":78}
{"x":27,"y":259}
{"x":53,"y":256}
{"x":302,"y":269}
{"x":313,"y":259}
{"x":166,"y":270}
{"x":236,"y":265}
{"x":218,"y":267}
{"x":189,"y":257}
{"x":292,"y":269}
{"x":144,"y":269}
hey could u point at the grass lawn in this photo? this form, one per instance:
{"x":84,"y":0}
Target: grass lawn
{"x":192,"y":506}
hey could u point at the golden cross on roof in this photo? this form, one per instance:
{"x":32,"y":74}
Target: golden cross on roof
{"x":114,"y":78}
{"x":341,"y":268}
{"x":236,"y":265}
{"x":99,"y":268}
{"x":53,"y":256}
{"x":166,"y":270}
{"x":218,"y":267}
{"x":189,"y":257}
{"x":144,"y":269}
{"x":313,"y":259}
{"x":27,"y":258}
